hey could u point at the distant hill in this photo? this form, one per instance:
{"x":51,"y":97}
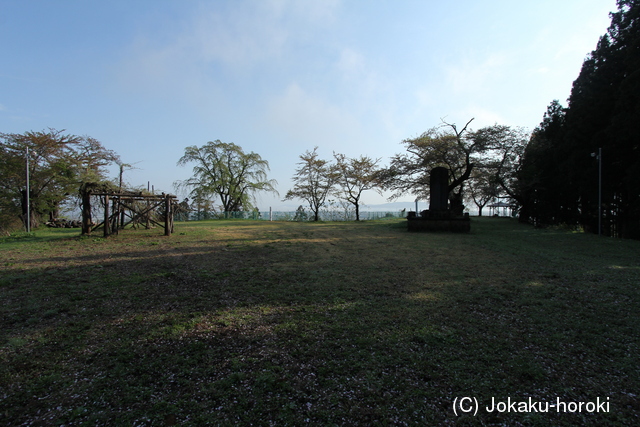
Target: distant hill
{"x":383,"y":207}
{"x":394,"y":207}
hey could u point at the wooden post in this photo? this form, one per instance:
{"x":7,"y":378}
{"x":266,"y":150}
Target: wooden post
{"x":173,"y":205}
{"x":147,"y":217}
{"x":116,"y":216}
{"x":122,"y":216}
{"x":106,"y":216}
{"x":168,"y":216}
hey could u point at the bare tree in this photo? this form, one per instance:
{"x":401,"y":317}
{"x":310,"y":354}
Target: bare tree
{"x":313,"y":181}
{"x":356,"y":175}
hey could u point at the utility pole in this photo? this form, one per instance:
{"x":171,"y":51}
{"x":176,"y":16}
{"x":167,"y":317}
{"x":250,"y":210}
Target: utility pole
{"x":28,"y":220}
{"x":600,"y":191}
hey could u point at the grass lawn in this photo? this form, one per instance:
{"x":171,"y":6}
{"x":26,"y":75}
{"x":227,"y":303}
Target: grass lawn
{"x":281,"y":323}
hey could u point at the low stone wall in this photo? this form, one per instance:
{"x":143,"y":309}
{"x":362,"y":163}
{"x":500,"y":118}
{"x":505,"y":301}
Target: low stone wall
{"x":63,"y":223}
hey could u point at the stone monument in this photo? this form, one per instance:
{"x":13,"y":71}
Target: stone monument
{"x":439,"y":217}
{"x":438,"y":190}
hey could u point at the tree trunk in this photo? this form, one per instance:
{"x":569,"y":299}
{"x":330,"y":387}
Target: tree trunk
{"x":86,"y":213}
{"x":23,"y":203}
{"x":168,"y":216}
{"x":54,"y":213}
{"x":525,"y":213}
{"x":456,"y":205}
{"x":33,"y":223}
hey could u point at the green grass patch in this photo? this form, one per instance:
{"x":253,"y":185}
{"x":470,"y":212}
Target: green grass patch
{"x":279,"y":323}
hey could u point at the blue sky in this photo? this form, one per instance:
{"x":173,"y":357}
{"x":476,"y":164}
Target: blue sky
{"x":278,"y":77}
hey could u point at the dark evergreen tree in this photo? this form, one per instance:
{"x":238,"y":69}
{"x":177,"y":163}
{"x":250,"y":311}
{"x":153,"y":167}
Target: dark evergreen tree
{"x":559,"y":172}
{"x":542,"y":190}
{"x":604,"y":111}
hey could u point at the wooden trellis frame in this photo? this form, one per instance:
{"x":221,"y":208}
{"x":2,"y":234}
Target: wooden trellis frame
{"x":120,"y":210}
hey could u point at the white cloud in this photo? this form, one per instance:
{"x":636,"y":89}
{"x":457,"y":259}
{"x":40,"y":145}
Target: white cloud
{"x":310,"y":120}
{"x":367,"y":92}
{"x":218,"y":43}
{"x":242,"y":37}
{"x":481,"y":117}
{"x":363,"y":81}
{"x":581,"y":41}
{"x":316,"y":12}
{"x":351,"y":63}
{"x":473,"y":74}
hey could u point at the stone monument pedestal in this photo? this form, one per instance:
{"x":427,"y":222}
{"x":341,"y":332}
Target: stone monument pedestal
{"x":439,"y":217}
{"x":426,"y":223}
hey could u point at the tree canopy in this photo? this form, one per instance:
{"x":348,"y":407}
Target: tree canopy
{"x":473,"y":158}
{"x":224,"y":171}
{"x":443,"y":145}
{"x":501,"y":149}
{"x":58,"y":164}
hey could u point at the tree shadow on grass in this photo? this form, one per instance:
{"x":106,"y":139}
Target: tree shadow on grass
{"x":329,"y":323}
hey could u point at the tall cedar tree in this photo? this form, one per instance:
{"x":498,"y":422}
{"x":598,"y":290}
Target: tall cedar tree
{"x":604,"y":112}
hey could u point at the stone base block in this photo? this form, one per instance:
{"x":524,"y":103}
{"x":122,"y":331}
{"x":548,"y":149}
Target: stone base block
{"x":462,"y":225}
